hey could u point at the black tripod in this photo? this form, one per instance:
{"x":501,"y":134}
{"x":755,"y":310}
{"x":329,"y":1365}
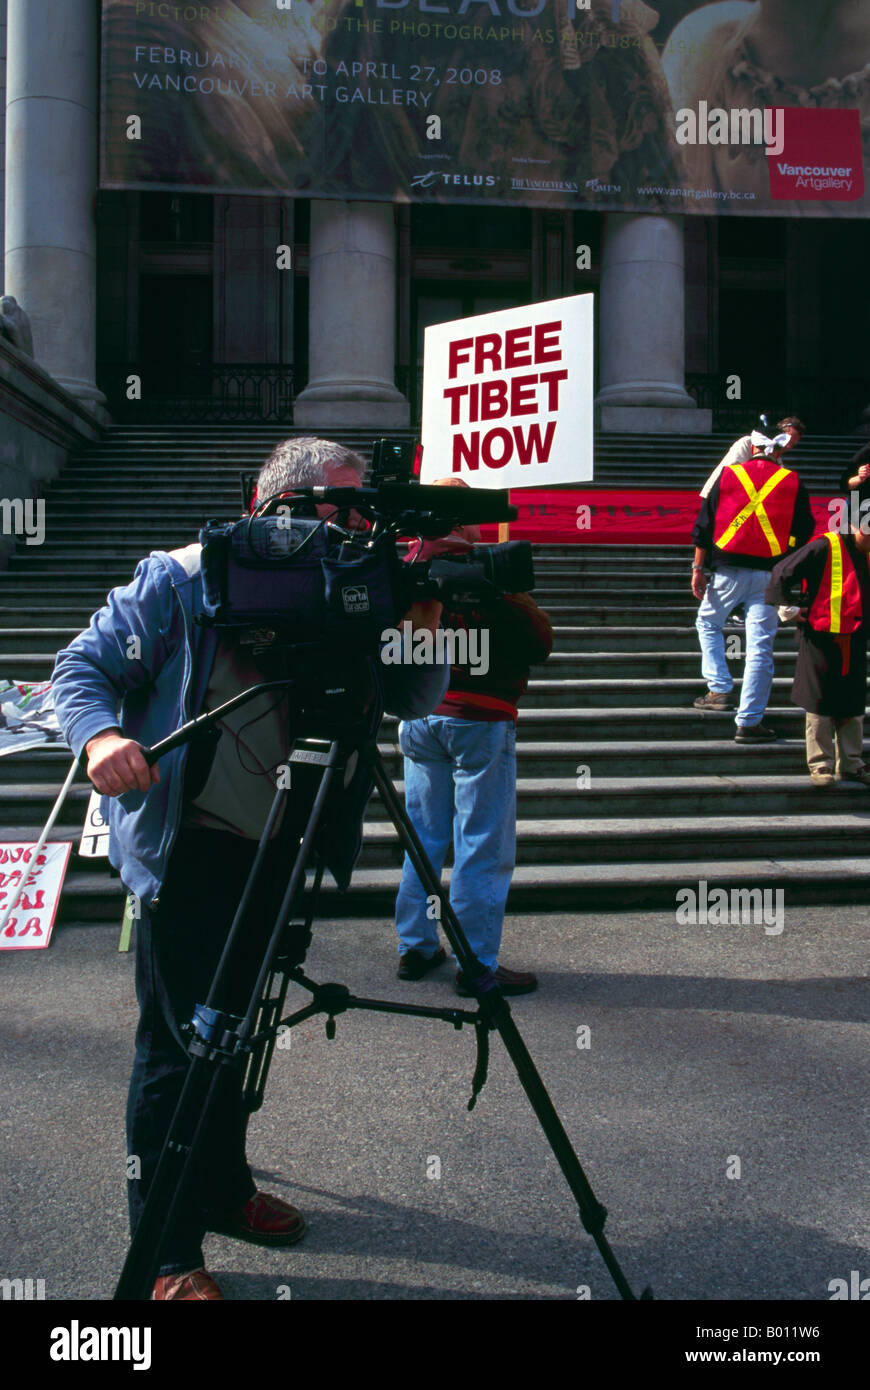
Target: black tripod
{"x":223,"y":1042}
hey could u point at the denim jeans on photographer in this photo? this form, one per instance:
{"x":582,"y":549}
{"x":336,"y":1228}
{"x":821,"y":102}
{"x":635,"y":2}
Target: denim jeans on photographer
{"x":460,"y":788}
{"x":728,"y":587}
{"x":178,"y":945}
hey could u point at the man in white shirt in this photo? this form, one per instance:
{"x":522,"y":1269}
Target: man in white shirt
{"x":741,"y":449}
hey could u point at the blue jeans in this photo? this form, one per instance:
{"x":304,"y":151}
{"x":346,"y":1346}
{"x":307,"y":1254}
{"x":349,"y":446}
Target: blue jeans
{"x":728,"y":587}
{"x":460,"y":786}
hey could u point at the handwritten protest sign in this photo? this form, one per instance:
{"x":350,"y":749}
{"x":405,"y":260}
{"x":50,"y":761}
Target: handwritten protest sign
{"x":39,"y":882}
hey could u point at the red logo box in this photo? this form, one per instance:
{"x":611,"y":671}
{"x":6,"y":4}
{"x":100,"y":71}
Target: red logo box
{"x":822,"y":157}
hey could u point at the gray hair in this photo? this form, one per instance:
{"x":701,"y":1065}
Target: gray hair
{"x":305,"y":462}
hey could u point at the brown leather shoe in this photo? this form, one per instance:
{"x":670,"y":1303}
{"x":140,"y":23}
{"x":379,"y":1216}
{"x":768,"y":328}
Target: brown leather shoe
{"x":821,"y":777}
{"x":198,"y":1285}
{"x":509,"y":981}
{"x":715,"y":699}
{"x":264,"y":1220}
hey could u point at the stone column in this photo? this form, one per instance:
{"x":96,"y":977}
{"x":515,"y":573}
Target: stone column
{"x":51,"y":184}
{"x":352,"y":320}
{"x":642,"y":328}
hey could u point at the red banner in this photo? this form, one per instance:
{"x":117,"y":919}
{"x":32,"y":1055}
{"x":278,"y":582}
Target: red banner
{"x":611,"y":517}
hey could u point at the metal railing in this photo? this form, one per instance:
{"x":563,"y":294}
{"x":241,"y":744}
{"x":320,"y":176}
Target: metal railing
{"x":825,"y":406}
{"x":221,"y":392}
{"x":264,"y":392}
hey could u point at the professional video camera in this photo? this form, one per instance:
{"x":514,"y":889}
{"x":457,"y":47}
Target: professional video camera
{"x":312,"y":580}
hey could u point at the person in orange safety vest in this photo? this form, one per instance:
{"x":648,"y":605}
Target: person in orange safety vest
{"x":829,"y":580}
{"x":756,"y":512}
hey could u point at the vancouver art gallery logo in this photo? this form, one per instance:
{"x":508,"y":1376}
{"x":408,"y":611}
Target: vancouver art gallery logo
{"x":812,"y":154}
{"x":822,"y":157}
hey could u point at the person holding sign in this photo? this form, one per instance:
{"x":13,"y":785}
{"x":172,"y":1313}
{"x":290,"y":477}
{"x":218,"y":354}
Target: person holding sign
{"x":460,"y":781}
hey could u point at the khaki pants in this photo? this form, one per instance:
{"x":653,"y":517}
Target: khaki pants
{"x":821,"y":733}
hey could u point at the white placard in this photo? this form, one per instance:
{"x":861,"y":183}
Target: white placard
{"x":507,"y":396}
{"x":40,"y":880}
{"x":95,"y":835}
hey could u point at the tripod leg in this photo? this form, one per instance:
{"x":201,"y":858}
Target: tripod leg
{"x":496,"y":1010}
{"x":210,"y":1058}
{"x":169,"y":1183}
{"x":293,"y":953}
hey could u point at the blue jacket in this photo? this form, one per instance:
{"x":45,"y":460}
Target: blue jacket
{"x":98,"y":685}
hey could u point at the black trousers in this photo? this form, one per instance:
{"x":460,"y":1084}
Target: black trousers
{"x":178,"y":946}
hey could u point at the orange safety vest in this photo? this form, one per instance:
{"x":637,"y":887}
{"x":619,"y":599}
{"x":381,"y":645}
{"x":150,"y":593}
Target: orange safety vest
{"x":837,"y":606}
{"x":756,"y":508}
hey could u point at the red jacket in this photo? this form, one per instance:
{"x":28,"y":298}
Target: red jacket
{"x":520,"y":636}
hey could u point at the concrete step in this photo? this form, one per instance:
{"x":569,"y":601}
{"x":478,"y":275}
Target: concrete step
{"x":613,"y":840}
{"x":624,"y":839}
{"x":582,"y":692}
{"x":670,"y":641}
{"x":595,"y":659}
{"x":39,"y":593}
{"x":38,"y":639}
{"x":606,"y":695}
{"x":660,"y":784}
{"x":587,"y":797}
{"x":597,"y":662}
{"x":636,"y":761}
{"x":656,"y":725}
{"x":96,"y":896}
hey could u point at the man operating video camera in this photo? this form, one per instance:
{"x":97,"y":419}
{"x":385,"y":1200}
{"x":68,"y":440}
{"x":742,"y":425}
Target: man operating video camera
{"x":183,"y":837}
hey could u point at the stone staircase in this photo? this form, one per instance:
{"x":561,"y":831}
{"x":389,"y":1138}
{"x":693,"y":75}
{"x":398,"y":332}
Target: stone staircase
{"x":626,"y":793}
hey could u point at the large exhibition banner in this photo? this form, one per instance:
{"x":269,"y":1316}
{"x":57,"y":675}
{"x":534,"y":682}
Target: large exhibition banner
{"x":730,"y":107}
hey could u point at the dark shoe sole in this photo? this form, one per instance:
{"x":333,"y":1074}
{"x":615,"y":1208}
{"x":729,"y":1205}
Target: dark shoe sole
{"x":277,"y":1240}
{"x":434,"y":961}
{"x":765,"y":738}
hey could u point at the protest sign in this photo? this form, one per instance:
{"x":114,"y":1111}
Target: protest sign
{"x":95,"y":834}
{"x":36,"y":882}
{"x":507,"y":396}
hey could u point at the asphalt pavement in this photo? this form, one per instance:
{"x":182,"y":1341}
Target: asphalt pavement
{"x":719,"y":1110}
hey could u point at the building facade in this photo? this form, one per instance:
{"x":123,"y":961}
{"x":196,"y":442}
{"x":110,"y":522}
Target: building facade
{"x":151,"y":305}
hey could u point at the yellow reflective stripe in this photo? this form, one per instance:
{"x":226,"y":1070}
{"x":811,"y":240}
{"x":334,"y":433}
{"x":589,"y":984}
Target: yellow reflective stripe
{"x":836,"y":603}
{"x":754,"y":507}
